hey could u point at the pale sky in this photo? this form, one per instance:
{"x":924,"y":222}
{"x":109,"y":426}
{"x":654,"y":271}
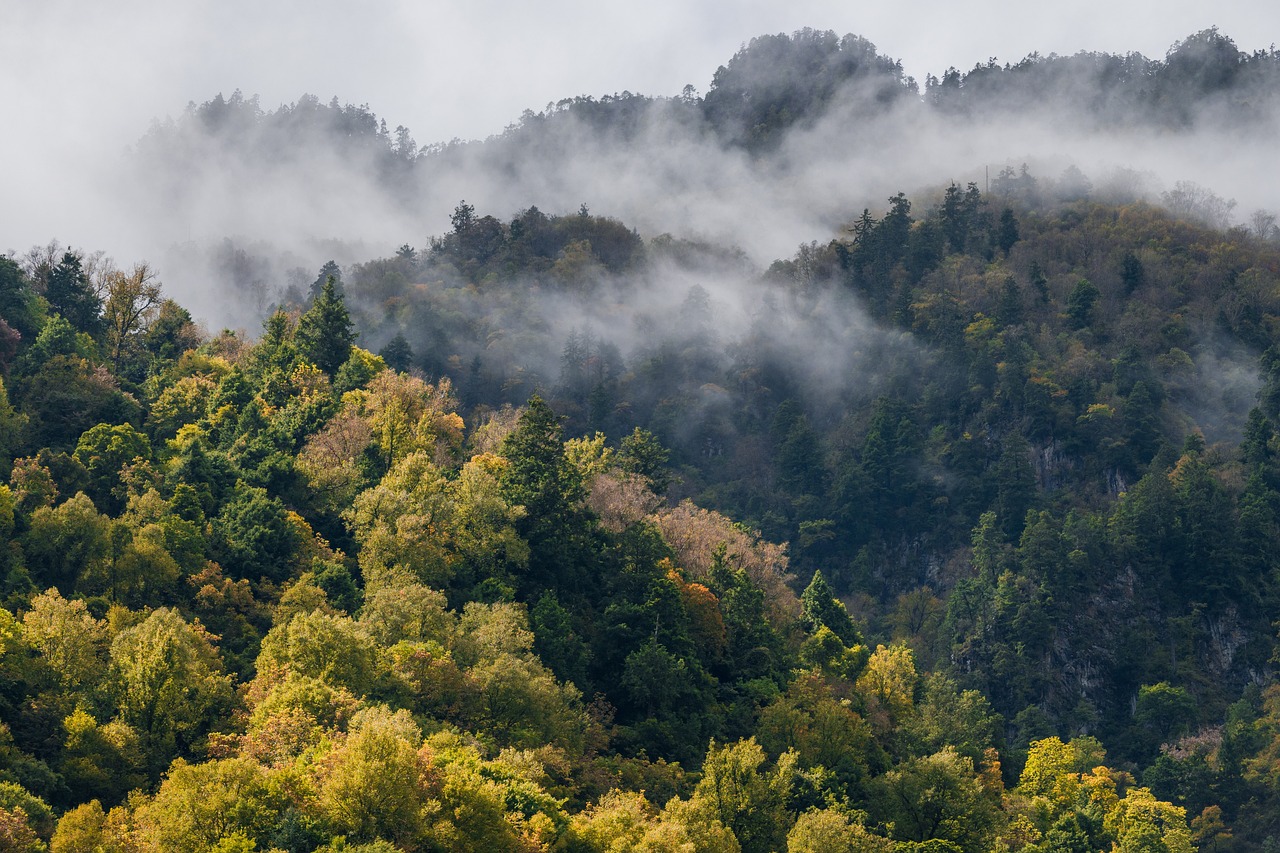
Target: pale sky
{"x":79,"y":80}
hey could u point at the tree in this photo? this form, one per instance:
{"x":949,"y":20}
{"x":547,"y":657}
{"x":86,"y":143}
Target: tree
{"x":819,"y":608}
{"x":939,"y":797}
{"x":199,"y":805}
{"x":463,"y":217}
{"x":737,"y":793}
{"x":408,"y":415}
{"x":169,"y":684}
{"x":329,"y":648}
{"x":486,"y":804}
{"x":70,"y":293}
{"x":1140,"y":822}
{"x":1164,"y":711}
{"x":657,"y":681}
{"x":822,"y":729}
{"x":540,"y":479}
{"x":132,"y":299}
{"x":372,"y":786}
{"x":104,"y":450}
{"x":1039,"y":281}
{"x":71,"y":641}
{"x":1190,"y":200}
{"x":1015,"y":482}
{"x":557,"y":643}
{"x":1080,"y":303}
{"x":412,"y":613}
{"x":142,"y":571}
{"x":330,"y":270}
{"x":1009,"y":309}
{"x":641,"y":453}
{"x":254,"y":537}
{"x":963,"y":720}
{"x":330,"y":459}
{"x":81,"y":830}
{"x":888,"y":685}
{"x":16,"y":833}
{"x":12,"y":426}
{"x":626,"y":821}
{"x":1055,"y":775}
{"x":19,"y":308}
{"x":171,"y":333}
{"x":1132,"y":273}
{"x":1007,"y":231}
{"x":65,"y":543}
{"x":403,"y":526}
{"x":97,"y":760}
{"x":397,"y":353}
{"x":66,"y":395}
{"x":324,"y":335}
{"x":832,"y":831}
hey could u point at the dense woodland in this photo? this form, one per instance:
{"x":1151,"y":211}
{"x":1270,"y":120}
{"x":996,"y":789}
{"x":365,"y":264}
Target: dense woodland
{"x":956,"y":532}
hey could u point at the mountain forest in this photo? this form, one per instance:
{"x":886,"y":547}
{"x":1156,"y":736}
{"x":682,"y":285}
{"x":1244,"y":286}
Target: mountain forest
{"x":955,"y":530}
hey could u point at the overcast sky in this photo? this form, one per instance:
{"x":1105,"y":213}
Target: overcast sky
{"x":81,"y":80}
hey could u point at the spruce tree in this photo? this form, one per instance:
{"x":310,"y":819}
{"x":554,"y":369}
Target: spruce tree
{"x":324,"y":335}
{"x":397,"y":353}
{"x":70,"y":294}
{"x":820,"y":608}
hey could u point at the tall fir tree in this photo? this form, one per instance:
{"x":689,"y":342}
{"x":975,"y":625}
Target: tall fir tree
{"x":324,"y":335}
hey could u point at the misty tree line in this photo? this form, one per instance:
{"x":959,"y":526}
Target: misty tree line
{"x":772,"y":86}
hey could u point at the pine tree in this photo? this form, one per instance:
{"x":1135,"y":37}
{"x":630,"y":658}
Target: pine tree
{"x":821,"y":609}
{"x":397,"y":353}
{"x":324,"y":335}
{"x":539,"y":479}
{"x":70,"y":294}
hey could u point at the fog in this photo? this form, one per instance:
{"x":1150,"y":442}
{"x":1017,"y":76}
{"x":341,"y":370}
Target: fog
{"x":82,"y":84}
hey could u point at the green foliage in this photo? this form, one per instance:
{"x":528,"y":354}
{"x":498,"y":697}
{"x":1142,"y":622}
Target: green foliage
{"x":820,"y":609}
{"x":737,"y":792}
{"x":18,"y":303}
{"x":69,"y":639}
{"x":938,"y":797}
{"x":1080,"y":303}
{"x":332,"y":649}
{"x":641,"y":454}
{"x":324,"y":336}
{"x":104,"y":450}
{"x":68,"y":542}
{"x":540,"y":479}
{"x":253,"y":536}
{"x":169,"y":685}
{"x":397,"y":353}
{"x":830,"y":831}
{"x":759,"y":94}
{"x":1164,"y":711}
{"x":70,"y":294}
{"x":65,"y":396}
{"x":205,"y":806}
{"x":374,"y":786}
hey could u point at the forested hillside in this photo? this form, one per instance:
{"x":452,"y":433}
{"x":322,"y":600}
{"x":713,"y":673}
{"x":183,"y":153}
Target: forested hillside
{"x":954,"y":531}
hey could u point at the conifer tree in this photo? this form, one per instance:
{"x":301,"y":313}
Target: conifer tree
{"x":324,"y":335}
{"x":821,"y":609}
{"x":70,"y":293}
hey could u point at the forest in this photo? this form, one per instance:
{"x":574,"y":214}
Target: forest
{"x":955,"y":530}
